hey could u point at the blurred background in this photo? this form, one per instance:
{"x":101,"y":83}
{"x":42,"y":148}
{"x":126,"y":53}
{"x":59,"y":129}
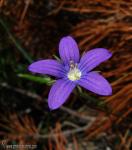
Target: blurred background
{"x":30,"y":30}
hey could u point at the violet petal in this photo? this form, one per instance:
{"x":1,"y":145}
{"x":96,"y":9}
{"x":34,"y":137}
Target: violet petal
{"x":48,"y":66}
{"x":93,"y":58}
{"x":96,"y":83}
{"x":59,"y":93}
{"x":68,"y":50}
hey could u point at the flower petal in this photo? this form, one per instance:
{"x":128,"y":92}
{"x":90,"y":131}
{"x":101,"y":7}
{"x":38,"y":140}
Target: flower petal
{"x":48,"y":66}
{"x":68,"y":50}
{"x":96,"y":83}
{"x":93,"y":58}
{"x":59,"y":93}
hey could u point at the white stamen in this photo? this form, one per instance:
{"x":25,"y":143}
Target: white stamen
{"x":74,"y":73}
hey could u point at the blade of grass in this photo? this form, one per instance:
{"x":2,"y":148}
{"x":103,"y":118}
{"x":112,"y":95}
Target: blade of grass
{"x":99,"y":103}
{"x":15,"y":42}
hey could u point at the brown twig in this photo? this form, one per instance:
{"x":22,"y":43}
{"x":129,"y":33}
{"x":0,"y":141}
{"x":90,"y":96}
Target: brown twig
{"x":27,"y":3}
{"x":65,"y":133}
{"x":40,"y":99}
{"x":1,"y":3}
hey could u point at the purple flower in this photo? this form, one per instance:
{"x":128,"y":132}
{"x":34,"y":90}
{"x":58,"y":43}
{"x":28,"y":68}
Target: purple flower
{"x":72,"y":71}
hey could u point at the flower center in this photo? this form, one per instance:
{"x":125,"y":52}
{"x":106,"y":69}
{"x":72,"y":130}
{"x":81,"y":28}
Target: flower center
{"x":74,"y":73}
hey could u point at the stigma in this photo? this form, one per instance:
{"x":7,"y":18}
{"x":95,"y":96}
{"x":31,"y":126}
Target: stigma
{"x":74,"y":73}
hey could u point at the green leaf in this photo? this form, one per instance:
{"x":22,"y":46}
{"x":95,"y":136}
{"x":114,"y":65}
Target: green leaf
{"x":42,"y":80}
